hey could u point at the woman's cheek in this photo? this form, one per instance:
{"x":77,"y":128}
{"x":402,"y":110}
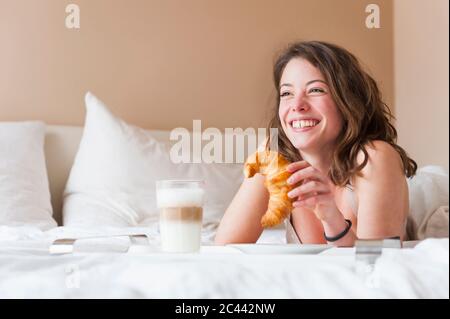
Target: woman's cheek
{"x":283,"y":127}
{"x":282,"y":111}
{"x":281,"y":116}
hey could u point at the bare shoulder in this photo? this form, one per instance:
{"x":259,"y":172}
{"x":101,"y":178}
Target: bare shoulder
{"x":382,"y":193}
{"x":383,"y":160}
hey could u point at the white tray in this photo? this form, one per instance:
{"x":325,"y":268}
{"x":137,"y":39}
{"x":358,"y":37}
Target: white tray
{"x":280,"y":248}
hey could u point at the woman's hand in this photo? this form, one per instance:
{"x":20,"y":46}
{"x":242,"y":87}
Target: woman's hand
{"x":314,"y":191}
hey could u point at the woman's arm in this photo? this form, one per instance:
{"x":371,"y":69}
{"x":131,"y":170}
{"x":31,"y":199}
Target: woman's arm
{"x":382,"y":193}
{"x":242,"y":220}
{"x":315,"y":210}
{"x":308,"y":227}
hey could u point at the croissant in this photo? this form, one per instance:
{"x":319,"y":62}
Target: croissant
{"x":273,"y":166}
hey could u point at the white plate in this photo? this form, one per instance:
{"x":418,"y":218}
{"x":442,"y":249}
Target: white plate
{"x":280,"y":248}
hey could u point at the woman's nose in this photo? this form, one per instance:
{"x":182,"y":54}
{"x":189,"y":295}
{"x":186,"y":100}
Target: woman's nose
{"x":299,"y":106}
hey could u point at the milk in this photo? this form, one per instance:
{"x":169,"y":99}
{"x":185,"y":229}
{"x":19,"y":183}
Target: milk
{"x":180,"y":236}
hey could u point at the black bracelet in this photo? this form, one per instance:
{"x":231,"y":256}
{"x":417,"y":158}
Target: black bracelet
{"x":339,"y":236}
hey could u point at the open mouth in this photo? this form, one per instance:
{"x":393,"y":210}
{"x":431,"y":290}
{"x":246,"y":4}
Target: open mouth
{"x":303,"y":124}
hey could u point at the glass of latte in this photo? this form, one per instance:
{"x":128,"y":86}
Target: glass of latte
{"x":180,"y":204}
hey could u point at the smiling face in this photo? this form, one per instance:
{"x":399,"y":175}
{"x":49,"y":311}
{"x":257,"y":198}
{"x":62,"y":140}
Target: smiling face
{"x":308,"y":114}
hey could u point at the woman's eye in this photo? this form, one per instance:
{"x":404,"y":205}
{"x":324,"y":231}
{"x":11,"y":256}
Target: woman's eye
{"x":316,"y":90}
{"x":283,"y":94}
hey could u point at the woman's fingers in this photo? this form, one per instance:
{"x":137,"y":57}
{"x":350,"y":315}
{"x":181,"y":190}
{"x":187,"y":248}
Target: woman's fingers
{"x":296,"y":166}
{"x":310,"y":187}
{"x":308,"y":172}
{"x":312,"y":201}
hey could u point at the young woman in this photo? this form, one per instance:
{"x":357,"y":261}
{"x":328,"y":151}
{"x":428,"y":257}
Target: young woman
{"x":349,"y":174}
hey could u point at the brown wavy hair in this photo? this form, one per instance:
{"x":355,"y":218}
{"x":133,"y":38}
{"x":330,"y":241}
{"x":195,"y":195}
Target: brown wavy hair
{"x":365,"y":116}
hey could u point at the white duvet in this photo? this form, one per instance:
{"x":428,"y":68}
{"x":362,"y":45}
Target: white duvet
{"x":27,"y":270}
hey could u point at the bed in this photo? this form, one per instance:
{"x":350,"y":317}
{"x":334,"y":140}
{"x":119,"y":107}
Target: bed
{"x":123,"y":267}
{"x":110,"y":269}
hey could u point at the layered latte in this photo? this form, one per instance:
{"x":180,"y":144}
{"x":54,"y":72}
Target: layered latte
{"x":181,"y":215}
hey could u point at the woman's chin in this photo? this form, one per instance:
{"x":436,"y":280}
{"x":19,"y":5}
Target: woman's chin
{"x":302,"y":145}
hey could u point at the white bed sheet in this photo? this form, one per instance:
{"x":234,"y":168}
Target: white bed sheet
{"x":27,"y":270}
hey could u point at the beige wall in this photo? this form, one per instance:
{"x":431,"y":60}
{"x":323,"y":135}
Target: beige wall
{"x":421,"y":79}
{"x":162,"y":63}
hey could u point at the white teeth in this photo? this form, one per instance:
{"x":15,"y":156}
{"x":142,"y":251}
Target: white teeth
{"x":304,"y":123}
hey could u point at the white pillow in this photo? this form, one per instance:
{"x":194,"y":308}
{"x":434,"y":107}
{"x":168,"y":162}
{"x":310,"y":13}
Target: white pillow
{"x":112,"y":181}
{"x":24,"y":189}
{"x":428,"y":196}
